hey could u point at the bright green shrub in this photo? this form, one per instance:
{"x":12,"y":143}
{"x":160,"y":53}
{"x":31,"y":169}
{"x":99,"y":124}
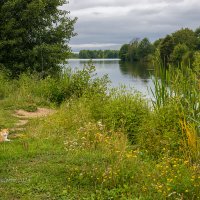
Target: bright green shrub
{"x":124,"y":111}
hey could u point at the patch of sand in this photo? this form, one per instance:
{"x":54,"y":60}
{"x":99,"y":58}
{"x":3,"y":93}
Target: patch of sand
{"x":41,"y":112}
{"x":21,"y":122}
{"x":24,"y":117}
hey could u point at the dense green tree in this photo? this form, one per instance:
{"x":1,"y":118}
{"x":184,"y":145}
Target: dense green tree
{"x":197,"y":33}
{"x":185,"y":36}
{"x":157,"y":43}
{"x":123,"y":52}
{"x":136,"y":51}
{"x":145,"y":48}
{"x":34,"y":35}
{"x":133,"y":51}
{"x":178,"y":47}
{"x":179,"y":51}
{"x":90,"y":54}
{"x":83,"y":54}
{"x":166,"y":48}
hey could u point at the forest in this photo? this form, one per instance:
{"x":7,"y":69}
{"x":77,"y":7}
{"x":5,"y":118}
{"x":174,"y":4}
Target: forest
{"x":96,"y":54}
{"x":176,"y":48}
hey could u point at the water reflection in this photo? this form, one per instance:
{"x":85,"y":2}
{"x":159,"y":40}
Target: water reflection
{"x":135,"y":75}
{"x":137,"y":69}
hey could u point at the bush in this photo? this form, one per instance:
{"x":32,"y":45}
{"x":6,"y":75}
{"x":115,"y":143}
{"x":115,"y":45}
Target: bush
{"x":121,"y":110}
{"x":161,"y":132}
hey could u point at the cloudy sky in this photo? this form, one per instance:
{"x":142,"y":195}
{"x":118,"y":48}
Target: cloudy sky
{"x":107,"y":24}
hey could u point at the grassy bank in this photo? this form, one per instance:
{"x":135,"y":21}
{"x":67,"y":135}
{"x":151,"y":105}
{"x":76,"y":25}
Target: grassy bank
{"x":99,"y":145}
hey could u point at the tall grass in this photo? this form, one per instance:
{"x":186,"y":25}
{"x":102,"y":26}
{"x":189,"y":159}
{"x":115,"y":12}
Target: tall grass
{"x":30,"y":89}
{"x":178,"y":88}
{"x":100,"y":144}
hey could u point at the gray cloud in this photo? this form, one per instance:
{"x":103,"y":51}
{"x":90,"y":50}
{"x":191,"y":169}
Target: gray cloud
{"x":104,"y":24}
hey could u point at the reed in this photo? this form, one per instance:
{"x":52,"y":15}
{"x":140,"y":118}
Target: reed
{"x":180,"y":85}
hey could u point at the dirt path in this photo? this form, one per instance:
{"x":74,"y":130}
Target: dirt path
{"x":24,"y":117}
{"x":41,"y":112}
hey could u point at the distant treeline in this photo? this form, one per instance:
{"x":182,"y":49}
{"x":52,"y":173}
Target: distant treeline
{"x":177,"y":48}
{"x":92,"y":54}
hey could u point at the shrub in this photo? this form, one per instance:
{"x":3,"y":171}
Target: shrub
{"x":123,"y":111}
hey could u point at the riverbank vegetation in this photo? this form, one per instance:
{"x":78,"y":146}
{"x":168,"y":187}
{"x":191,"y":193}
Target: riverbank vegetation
{"x":176,"y":49}
{"x":100,"y":145}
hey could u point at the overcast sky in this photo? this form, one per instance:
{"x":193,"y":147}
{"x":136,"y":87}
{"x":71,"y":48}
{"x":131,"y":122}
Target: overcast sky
{"x":107,"y":24}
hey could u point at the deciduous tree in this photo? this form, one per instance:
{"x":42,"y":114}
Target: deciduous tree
{"x":34,"y":35}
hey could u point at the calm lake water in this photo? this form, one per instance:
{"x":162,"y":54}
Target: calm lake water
{"x":132,"y":75}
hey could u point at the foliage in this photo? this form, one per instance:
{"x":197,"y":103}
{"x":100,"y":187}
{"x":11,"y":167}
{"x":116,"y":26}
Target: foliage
{"x":185,"y":36}
{"x":179,"y":47}
{"x":196,"y":63}
{"x":123,"y":53}
{"x":102,"y":144}
{"x":178,"y":90}
{"x":34,"y":36}
{"x":145,"y":48}
{"x":71,"y":155}
{"x":90,"y":54}
{"x":166,"y":49}
{"x":31,"y":89}
{"x":136,"y":51}
{"x":125,"y":111}
{"x":176,"y":48}
{"x":178,"y":53}
{"x":73,"y":55}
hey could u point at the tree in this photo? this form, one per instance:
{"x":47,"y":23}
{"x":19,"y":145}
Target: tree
{"x":34,"y":35}
{"x":185,"y":36}
{"x":166,"y":48}
{"x":144,"y":48}
{"x":157,"y":43}
{"x":178,"y":53}
{"x":123,"y":52}
{"x":197,"y":33}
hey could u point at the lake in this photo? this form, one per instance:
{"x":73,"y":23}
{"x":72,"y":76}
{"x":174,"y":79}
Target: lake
{"x":129,"y":74}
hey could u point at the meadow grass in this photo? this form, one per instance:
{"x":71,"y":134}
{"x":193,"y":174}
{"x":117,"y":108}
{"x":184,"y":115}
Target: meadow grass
{"x":97,"y":145}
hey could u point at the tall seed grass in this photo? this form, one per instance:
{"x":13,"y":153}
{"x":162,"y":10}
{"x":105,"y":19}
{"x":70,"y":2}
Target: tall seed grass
{"x":180,"y":86}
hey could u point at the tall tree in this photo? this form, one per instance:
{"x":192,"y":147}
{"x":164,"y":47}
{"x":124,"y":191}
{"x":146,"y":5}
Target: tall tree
{"x":197,"y":33}
{"x":144,"y":48}
{"x":166,"y":48}
{"x":178,"y":53}
{"x":185,"y":36}
{"x":133,"y":51}
{"x":34,"y":35}
{"x":123,"y":52}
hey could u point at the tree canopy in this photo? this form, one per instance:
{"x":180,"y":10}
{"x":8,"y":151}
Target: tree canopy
{"x":34,"y":35}
{"x":136,"y":50}
{"x":90,"y":54}
{"x":177,"y":48}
